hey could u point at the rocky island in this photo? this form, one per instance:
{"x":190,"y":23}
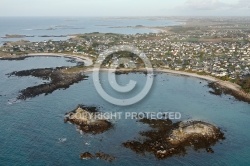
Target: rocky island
{"x":168,"y":139}
{"x":87,"y":119}
{"x":58,"y":78}
{"x":9,"y":36}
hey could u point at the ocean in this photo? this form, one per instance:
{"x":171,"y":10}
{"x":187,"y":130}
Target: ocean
{"x":31,"y":130}
{"x":57,"y":26}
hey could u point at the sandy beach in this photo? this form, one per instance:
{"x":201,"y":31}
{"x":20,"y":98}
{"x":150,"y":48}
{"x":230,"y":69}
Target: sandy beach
{"x":88,"y":61}
{"x":233,"y":88}
{"x":226,"y":84}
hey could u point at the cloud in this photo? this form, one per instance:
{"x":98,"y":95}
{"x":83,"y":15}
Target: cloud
{"x":205,"y":4}
{"x":215,"y":4}
{"x":242,"y":4}
{"x":212,"y":8}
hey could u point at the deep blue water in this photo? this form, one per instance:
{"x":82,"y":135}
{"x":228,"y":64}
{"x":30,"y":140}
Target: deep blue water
{"x":39,"y":26}
{"x":30,"y":129}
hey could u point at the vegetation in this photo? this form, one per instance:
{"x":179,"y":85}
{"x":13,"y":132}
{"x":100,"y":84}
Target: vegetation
{"x":244,"y":83}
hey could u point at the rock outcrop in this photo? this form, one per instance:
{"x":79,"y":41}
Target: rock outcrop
{"x":88,"y":120}
{"x":99,"y":155}
{"x":56,"y":77}
{"x":168,"y":139}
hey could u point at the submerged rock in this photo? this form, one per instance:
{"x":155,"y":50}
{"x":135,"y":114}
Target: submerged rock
{"x":216,"y":90}
{"x":219,"y":89}
{"x":126,"y":72}
{"x":168,"y":139}
{"x":99,"y":155}
{"x":86,"y":156}
{"x":105,"y":157}
{"x":88,"y":120}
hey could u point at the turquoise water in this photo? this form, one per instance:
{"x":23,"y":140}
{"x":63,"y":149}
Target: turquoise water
{"x":30,"y":129}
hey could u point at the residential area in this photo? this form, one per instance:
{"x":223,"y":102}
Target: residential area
{"x":217,"y":51}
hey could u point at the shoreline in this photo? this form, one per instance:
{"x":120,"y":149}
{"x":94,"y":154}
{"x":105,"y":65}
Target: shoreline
{"x":225,"y":86}
{"x":88,"y":61}
{"x":229,"y":87}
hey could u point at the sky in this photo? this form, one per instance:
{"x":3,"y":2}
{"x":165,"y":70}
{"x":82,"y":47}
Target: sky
{"x":97,"y":8}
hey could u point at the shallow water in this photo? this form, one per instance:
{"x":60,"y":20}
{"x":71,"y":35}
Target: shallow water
{"x":31,"y":130}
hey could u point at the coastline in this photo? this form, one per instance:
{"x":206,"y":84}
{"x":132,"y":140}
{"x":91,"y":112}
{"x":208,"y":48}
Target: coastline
{"x":225,"y":86}
{"x":228,"y":87}
{"x":88,"y":61}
